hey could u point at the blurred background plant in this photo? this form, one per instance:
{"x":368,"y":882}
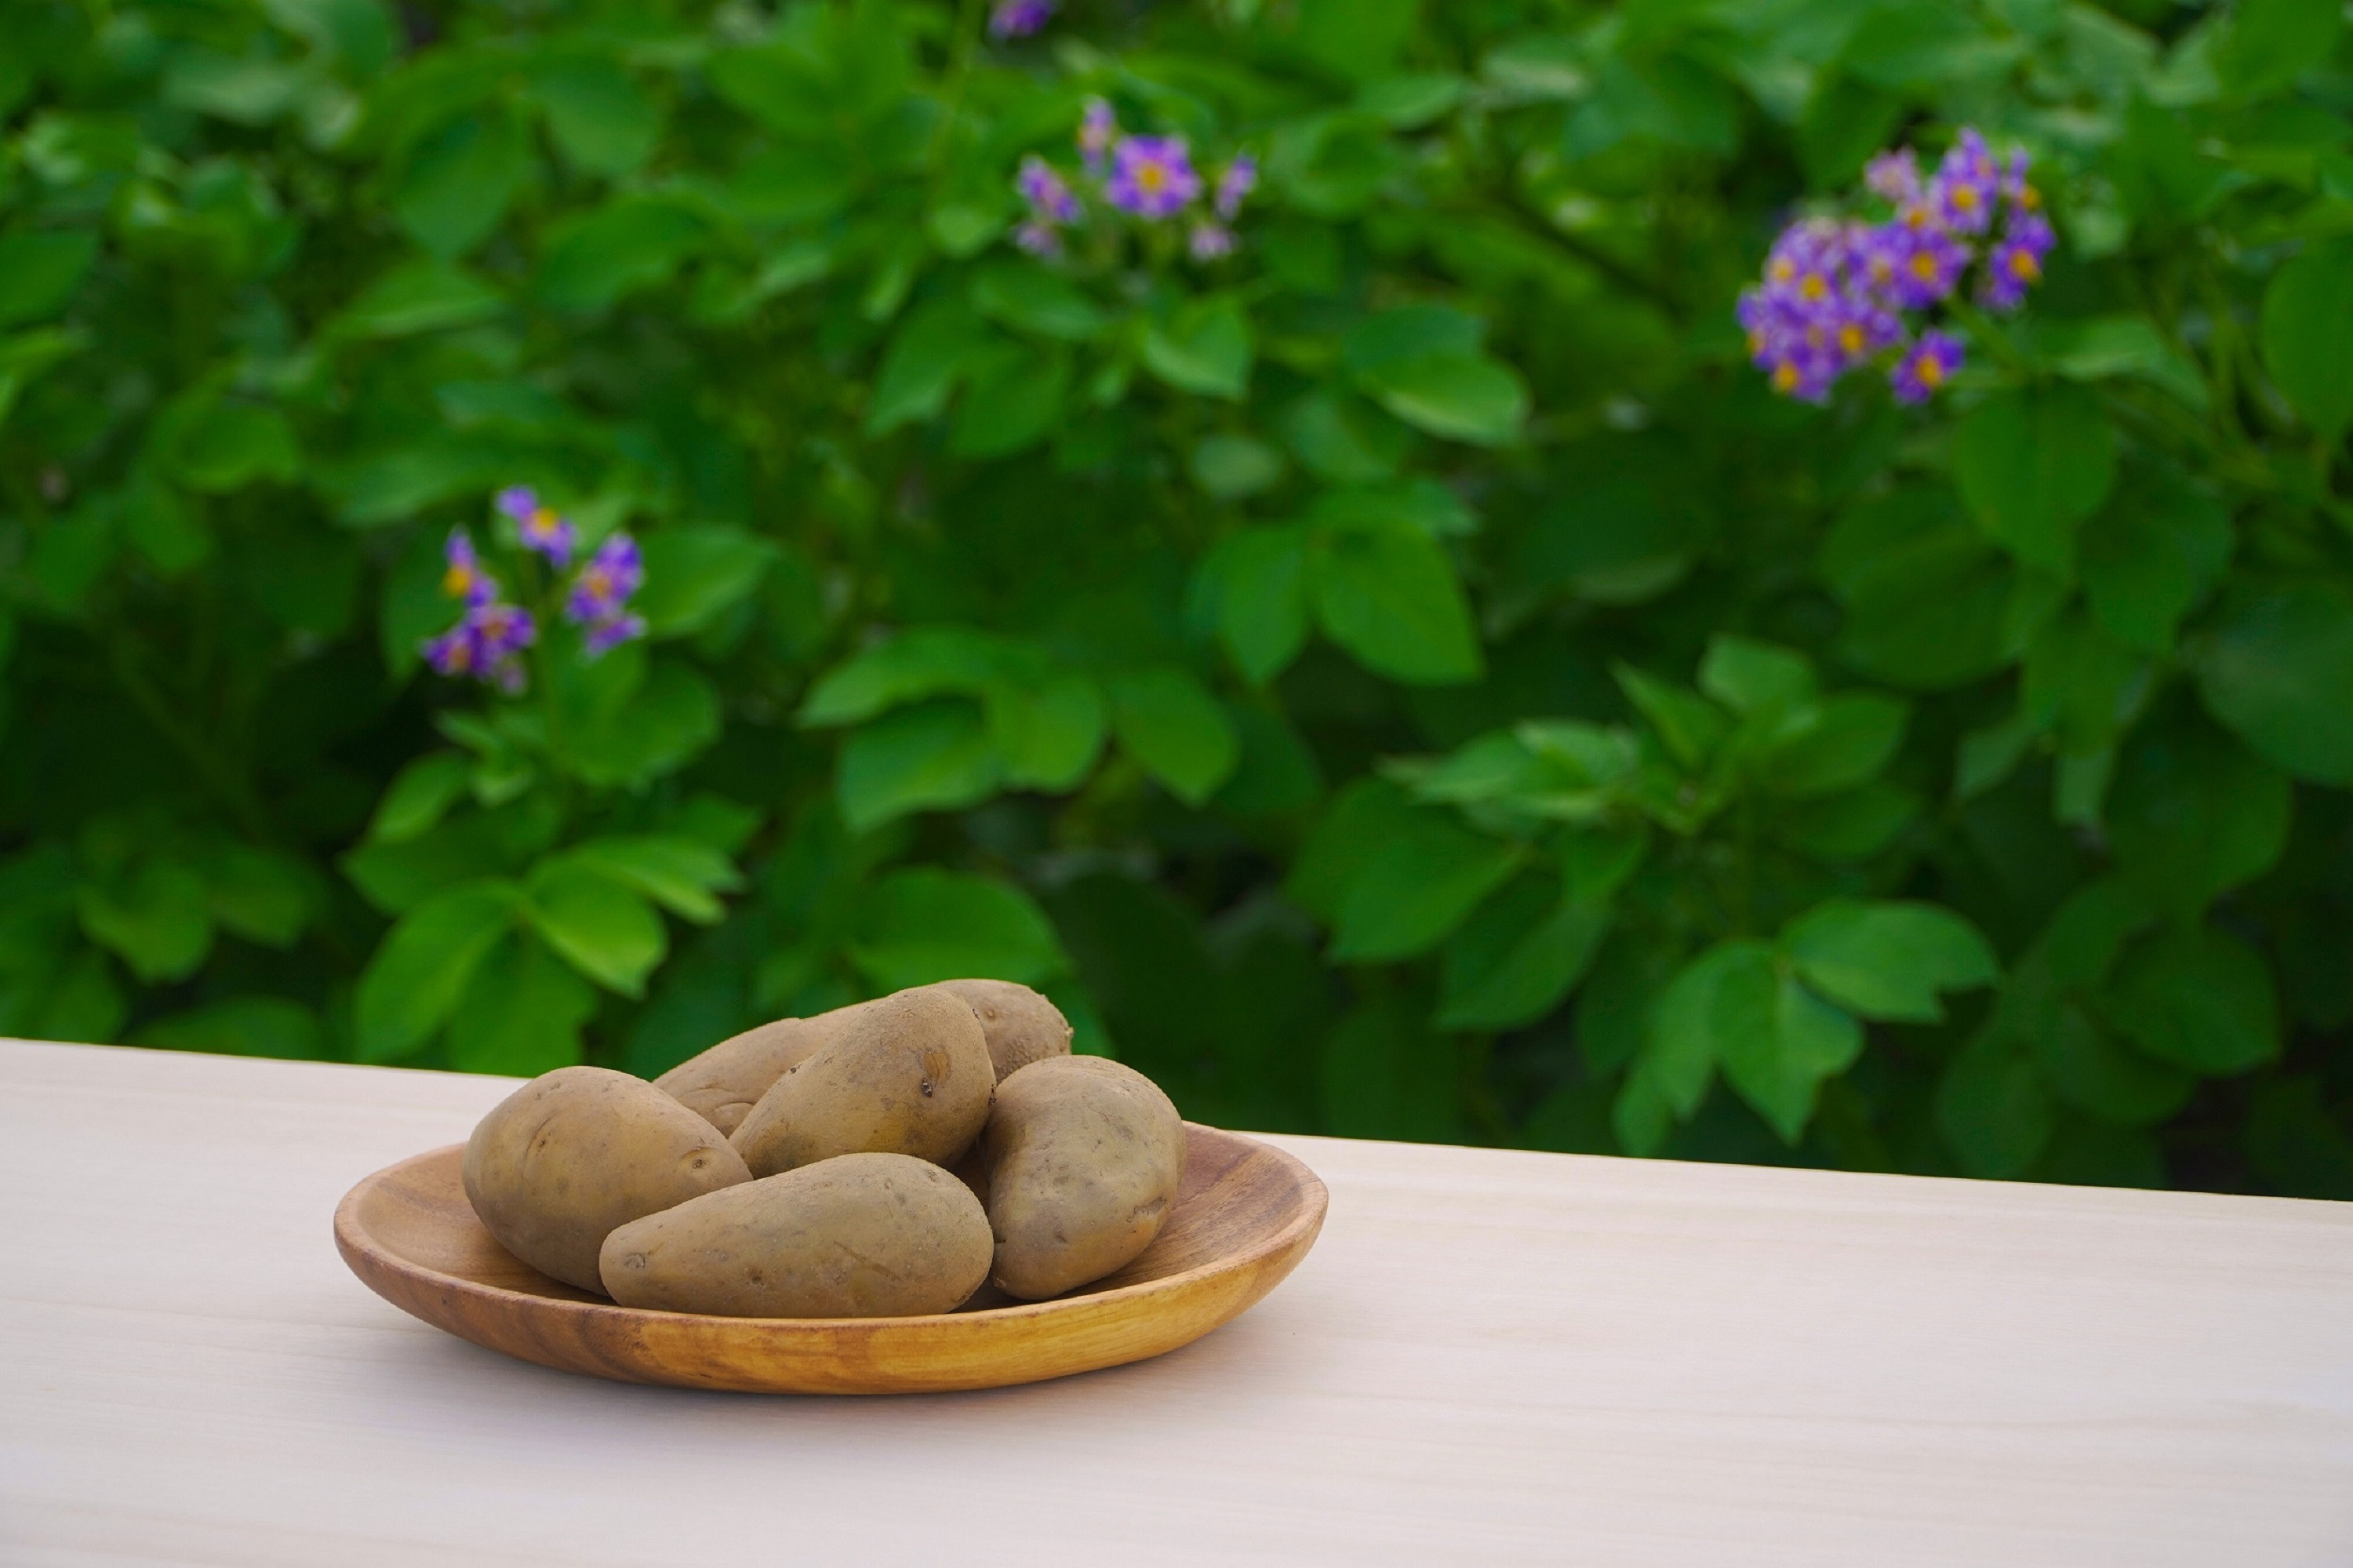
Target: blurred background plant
{"x":1393,"y":668}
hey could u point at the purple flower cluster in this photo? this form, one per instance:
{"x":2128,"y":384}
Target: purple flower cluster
{"x":1018,"y":18}
{"x":489,"y":637}
{"x":1150,"y":177}
{"x":1835,"y":292}
{"x":600,"y":599}
{"x":492,"y":634}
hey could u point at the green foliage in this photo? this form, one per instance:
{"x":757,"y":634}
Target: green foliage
{"x":1407,"y":679}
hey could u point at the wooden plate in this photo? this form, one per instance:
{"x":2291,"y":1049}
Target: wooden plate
{"x":1245,"y":1215}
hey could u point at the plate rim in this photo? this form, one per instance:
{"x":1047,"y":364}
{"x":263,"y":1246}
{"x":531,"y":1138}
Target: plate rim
{"x":365,"y":1256}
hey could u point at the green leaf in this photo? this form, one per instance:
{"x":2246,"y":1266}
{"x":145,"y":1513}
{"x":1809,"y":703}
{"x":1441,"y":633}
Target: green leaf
{"x":2198,"y":998}
{"x":419,"y":795}
{"x":1176,"y":729}
{"x":668,"y":720}
{"x":242,"y":1026}
{"x":1047,"y":726}
{"x":1359,"y":39}
{"x":2277,"y":671}
{"x":461,"y":180}
{"x":1684,"y":1039}
{"x":1389,"y":596}
{"x":2150,"y":557}
{"x":1752,"y":677}
{"x":695,"y":575}
{"x":39,"y":272}
{"x":1928,"y":604}
{"x":1234,"y":468}
{"x":1416,"y":886}
{"x":922,"y":925}
{"x":1032,"y":298}
{"x":2271,"y":43}
{"x":2192,"y":814}
{"x":1844,"y":743}
{"x":413,"y":981}
{"x":1411,"y":332}
{"x":928,"y":355}
{"x":922,"y":662}
{"x":1993,"y":1108}
{"x":231,"y":445}
{"x":1384,"y":1074}
{"x":2104,"y":1079}
{"x":1691,"y":727}
{"x":1885,"y":959}
{"x":2032,"y":464}
{"x":1516,"y":957}
{"x":935,"y":756}
{"x":2308,"y":319}
{"x":594,"y":258}
{"x":1463,"y":397}
{"x":1015,"y":401}
{"x":679,"y":873}
{"x":262,"y":896}
{"x":598,"y":925}
{"x":1205,"y":348}
{"x":1362,"y":817}
{"x":520,"y":1013}
{"x":1776,"y":1056}
{"x":601,"y":120}
{"x":1256,"y":579}
{"x":156,"y":919}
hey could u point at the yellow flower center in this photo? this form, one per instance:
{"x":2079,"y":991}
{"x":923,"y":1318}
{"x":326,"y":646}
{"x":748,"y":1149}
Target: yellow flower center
{"x":1924,"y":266}
{"x":1784,"y":270}
{"x":1813,"y":288}
{"x":1851,"y":338}
{"x":461,"y":654}
{"x":1150,"y":177}
{"x":543,"y":521}
{"x":2022,"y":262}
{"x":1784,"y":377}
{"x":1965,"y":196}
{"x":457,"y":580}
{"x":2028,"y":197}
{"x":1756,"y":340}
{"x":1930,"y":370}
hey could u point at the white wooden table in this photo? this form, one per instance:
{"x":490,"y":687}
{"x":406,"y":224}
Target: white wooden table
{"x":1489,"y":1358}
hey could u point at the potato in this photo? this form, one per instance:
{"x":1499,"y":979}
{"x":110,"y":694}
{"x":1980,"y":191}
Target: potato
{"x":1022,"y":1026}
{"x":908,"y":1074}
{"x":725,"y":1082}
{"x":860,"y":1236}
{"x":1082,"y":1157}
{"x":557,"y":1164}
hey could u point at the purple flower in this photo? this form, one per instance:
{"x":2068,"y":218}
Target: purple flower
{"x":1210,"y":241}
{"x":1097,"y":126}
{"x":539,"y":527}
{"x":1038,"y":239}
{"x":486,"y":643}
{"x":606,"y":634}
{"x":2017,"y":186}
{"x":1965,"y":185}
{"x":2015,"y":265}
{"x":602,"y":590}
{"x":1911,"y":267}
{"x":1019,"y":18}
{"x":1925,"y":367}
{"x":1894,"y":176}
{"x":462,"y":577}
{"x":1240,"y":178}
{"x":1048,"y":194}
{"x":1808,"y":265}
{"x":1152,"y":176}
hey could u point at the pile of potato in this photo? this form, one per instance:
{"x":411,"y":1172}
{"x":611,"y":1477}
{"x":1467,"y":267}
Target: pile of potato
{"x":878,"y":1160}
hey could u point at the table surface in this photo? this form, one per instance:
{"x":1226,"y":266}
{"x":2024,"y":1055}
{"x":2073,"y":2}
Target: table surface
{"x":1491,"y":1357}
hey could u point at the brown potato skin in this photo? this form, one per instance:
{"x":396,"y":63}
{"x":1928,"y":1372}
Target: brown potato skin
{"x":1082,"y":1159}
{"x":725,"y":1082}
{"x":860,"y":1236}
{"x":910,"y":1074}
{"x":573,"y":1154}
{"x":1022,"y":1025}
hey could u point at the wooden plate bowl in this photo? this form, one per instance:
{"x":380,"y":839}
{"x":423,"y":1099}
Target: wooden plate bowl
{"x":1245,"y":1215}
